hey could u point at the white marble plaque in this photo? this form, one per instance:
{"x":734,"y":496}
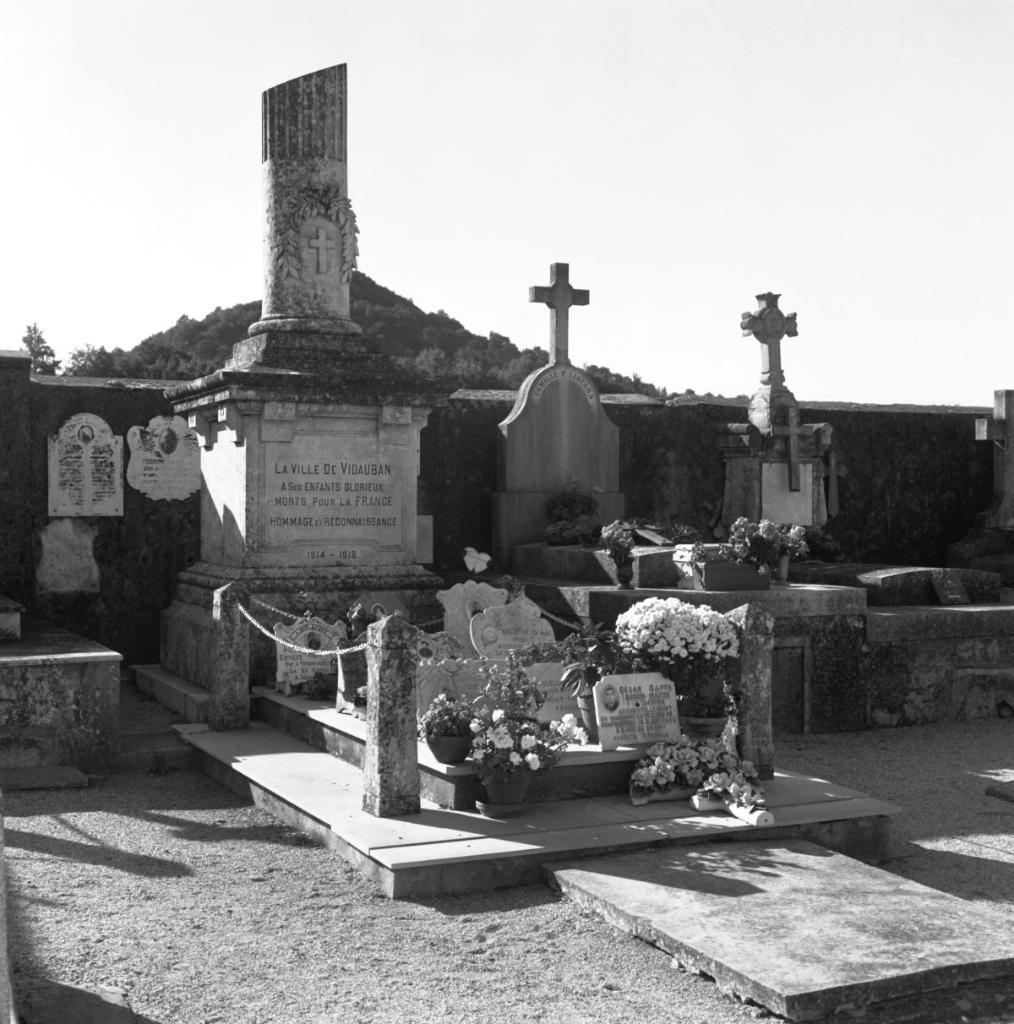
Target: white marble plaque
{"x":339,"y":500}
{"x":165,"y":459}
{"x":781,"y":505}
{"x":85,"y":468}
{"x":635,"y":709}
{"x":297,"y":667}
{"x":465,"y":600}
{"x":496,"y":632}
{"x":558,"y":702}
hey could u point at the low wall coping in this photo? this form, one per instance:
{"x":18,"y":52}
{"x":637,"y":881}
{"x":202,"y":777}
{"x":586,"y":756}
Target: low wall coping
{"x":42,"y":643}
{"x":926,"y":623}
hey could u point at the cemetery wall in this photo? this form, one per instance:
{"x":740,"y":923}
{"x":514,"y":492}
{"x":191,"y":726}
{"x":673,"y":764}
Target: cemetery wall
{"x":909,"y":482}
{"x":104,"y":577}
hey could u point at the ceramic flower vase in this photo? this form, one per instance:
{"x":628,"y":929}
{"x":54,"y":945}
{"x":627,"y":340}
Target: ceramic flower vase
{"x":782,"y":569}
{"x":696,"y":728}
{"x":624,"y":575}
{"x":449,"y":749}
{"x":505,"y":797}
{"x":589,"y":721}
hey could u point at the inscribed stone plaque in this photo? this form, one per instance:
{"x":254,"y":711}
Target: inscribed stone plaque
{"x":781,"y":505}
{"x":165,"y":459}
{"x":465,"y":600}
{"x":455,"y":678}
{"x":497,"y":631}
{"x":558,"y":701}
{"x":948,"y":588}
{"x":85,"y":468}
{"x":298,"y":667}
{"x":636,"y":708}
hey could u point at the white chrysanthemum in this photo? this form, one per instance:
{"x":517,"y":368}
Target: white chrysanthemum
{"x":533,"y":762}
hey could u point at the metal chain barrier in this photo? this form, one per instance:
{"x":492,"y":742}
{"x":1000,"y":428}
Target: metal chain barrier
{"x":272,"y":608}
{"x":338,"y":652}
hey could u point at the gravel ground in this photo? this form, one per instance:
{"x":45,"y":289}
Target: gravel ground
{"x":203,"y":909}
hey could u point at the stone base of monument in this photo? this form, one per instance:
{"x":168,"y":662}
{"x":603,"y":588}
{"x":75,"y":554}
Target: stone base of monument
{"x":59,"y":698}
{"x":188,"y":627}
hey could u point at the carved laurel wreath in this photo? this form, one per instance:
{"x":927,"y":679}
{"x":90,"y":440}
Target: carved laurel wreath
{"x":316,"y":202}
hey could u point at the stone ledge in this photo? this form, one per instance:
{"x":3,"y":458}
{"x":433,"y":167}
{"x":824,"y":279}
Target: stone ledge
{"x":931,"y":623}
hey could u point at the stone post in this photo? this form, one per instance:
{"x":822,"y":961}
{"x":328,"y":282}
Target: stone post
{"x":229,"y":698}
{"x":756,"y":646}
{"x":391,"y":762}
{"x":6,"y":994}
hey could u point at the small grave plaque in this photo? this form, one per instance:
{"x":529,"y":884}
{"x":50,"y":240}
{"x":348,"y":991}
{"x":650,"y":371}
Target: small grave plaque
{"x":297,"y":667}
{"x":496,"y":632}
{"x":85,"y":468}
{"x":455,"y":678}
{"x":636,"y":708}
{"x":165,"y":459}
{"x":465,"y":600}
{"x":558,"y":702}
{"x":949,"y":589}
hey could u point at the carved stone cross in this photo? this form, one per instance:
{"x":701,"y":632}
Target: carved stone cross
{"x":792,"y":430}
{"x":559,"y":296}
{"x":769,"y":325}
{"x":323,"y":245}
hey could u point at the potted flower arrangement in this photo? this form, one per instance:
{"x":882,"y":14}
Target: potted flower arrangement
{"x":693,"y":645}
{"x":587,"y":657}
{"x":710,"y":777}
{"x":618,"y":540}
{"x":446,"y":727}
{"x":509,"y":744}
{"x":766,"y":545}
{"x":573,"y":517}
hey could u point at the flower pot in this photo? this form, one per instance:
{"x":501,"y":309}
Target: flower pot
{"x":586,"y":709}
{"x":729,"y":576}
{"x":673,"y":793}
{"x":624,"y":575}
{"x":449,"y":749}
{"x":697,"y":728}
{"x":505,"y":797}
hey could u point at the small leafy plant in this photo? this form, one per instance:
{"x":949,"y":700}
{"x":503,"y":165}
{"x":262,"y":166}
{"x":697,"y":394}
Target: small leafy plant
{"x":446,"y":716}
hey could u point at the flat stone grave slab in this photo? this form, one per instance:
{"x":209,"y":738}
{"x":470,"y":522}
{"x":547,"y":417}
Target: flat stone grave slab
{"x":887,"y":585}
{"x":792,"y":926}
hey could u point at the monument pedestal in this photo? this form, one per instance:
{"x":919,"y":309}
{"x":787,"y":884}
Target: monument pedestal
{"x":758,"y":475}
{"x":308,"y":502}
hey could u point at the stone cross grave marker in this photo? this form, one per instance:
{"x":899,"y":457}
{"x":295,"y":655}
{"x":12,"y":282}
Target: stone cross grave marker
{"x":559,"y":296}
{"x":294,"y":668}
{"x":635,"y":708}
{"x":497,"y":631}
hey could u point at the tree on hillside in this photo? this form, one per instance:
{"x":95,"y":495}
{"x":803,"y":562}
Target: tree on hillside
{"x":43,"y":357}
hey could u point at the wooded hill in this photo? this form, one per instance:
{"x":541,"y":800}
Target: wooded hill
{"x":434,"y":344}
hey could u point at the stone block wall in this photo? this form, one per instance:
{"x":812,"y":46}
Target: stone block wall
{"x":912,"y":483}
{"x":106,"y":577}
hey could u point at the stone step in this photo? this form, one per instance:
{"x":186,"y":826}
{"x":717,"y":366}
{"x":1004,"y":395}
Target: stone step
{"x":441,"y":850}
{"x":42,"y":777}
{"x":156,"y":753}
{"x":185,"y":698}
{"x":802,"y":931}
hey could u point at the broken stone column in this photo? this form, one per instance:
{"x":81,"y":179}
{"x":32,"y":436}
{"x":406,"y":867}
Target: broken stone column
{"x":756,"y":646}
{"x":391,"y":762}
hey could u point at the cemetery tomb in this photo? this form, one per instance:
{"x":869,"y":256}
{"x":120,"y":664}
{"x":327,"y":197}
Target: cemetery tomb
{"x":557,"y":435}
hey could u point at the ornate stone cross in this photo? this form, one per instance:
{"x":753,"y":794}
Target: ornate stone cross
{"x":559,"y":296}
{"x":769,"y":325}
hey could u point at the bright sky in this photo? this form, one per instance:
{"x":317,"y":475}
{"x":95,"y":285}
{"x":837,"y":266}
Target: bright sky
{"x":856,"y":156}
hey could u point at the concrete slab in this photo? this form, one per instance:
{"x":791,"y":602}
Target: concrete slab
{"x":792,"y":926}
{"x":444,"y":850}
